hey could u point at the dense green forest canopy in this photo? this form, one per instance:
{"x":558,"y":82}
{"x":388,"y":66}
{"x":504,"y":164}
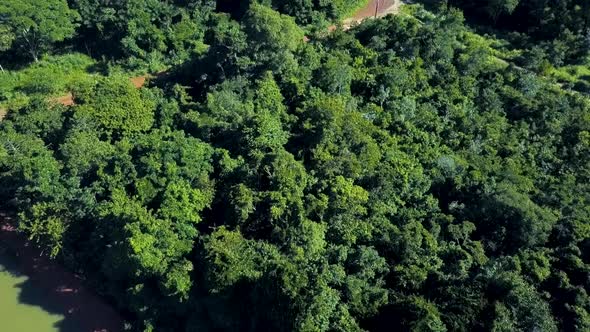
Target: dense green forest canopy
{"x":401,"y":175}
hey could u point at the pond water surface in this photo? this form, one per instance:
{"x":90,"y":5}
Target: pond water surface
{"x":22,"y":304}
{"x":38,"y":295}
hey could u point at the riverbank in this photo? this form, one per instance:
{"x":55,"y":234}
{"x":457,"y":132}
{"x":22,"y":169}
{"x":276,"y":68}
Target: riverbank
{"x":63,"y":293}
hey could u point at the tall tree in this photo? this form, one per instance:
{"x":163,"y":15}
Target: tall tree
{"x":36,"y":25}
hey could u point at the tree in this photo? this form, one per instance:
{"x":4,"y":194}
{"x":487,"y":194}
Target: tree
{"x":273,"y":38}
{"x":36,"y":25}
{"x":6,"y":40}
{"x":117,"y":107}
{"x":498,"y":7}
{"x":144,"y":32}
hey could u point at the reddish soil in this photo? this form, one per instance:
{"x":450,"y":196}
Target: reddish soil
{"x":66,"y":291}
{"x":67,"y":100}
{"x":375,"y":8}
{"x":139,"y":81}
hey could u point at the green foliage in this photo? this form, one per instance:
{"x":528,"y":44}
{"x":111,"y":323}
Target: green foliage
{"x":560,"y":28}
{"x":307,"y":12}
{"x":232,"y":258}
{"x":400,"y":175}
{"x":147,"y":34}
{"x":51,"y":76}
{"x":272,"y":38}
{"x":117,"y":107}
{"x":35,"y":25}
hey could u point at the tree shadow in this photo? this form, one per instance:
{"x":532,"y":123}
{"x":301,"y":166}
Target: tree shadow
{"x":32,"y":294}
{"x":53,"y":289}
{"x":8,"y":262}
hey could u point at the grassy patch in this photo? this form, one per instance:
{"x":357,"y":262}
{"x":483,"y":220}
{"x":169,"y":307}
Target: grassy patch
{"x":575,"y":77}
{"x":53,"y":76}
{"x":572,"y":73}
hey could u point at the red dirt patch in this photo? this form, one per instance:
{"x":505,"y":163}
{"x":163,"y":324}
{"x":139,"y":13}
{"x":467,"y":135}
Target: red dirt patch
{"x":66,"y":100}
{"x":139,"y":81}
{"x":66,"y":290}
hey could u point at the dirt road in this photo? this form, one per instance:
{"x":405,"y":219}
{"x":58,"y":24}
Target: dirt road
{"x":376,"y":8}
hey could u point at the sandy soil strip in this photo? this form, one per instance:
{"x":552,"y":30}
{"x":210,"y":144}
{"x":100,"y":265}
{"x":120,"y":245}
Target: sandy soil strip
{"x":66,"y":290}
{"x":139,"y":81}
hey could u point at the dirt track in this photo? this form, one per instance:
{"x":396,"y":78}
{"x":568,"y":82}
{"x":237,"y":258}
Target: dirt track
{"x":375,"y":8}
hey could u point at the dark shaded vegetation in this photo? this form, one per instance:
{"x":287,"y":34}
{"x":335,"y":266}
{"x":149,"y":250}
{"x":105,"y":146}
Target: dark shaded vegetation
{"x":560,"y":28}
{"x":398,"y":175}
{"x":553,"y":37}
